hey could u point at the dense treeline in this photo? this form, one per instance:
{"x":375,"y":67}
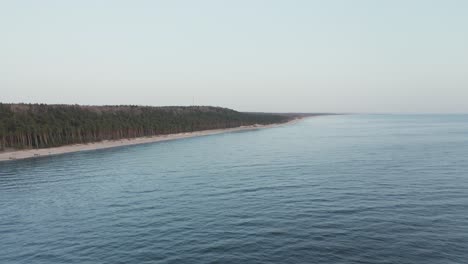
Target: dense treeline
{"x":40,"y":125}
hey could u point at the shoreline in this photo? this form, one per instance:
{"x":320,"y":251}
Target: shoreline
{"x":45,"y":152}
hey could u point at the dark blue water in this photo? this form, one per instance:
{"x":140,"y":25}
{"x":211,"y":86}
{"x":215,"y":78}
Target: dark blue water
{"x":335,"y":189}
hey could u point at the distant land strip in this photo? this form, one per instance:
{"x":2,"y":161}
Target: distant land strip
{"x":33,"y":130}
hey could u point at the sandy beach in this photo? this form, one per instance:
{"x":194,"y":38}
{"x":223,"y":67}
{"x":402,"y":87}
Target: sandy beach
{"x":36,"y":153}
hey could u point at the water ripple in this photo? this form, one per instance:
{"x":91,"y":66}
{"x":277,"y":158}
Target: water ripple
{"x":337,"y":189}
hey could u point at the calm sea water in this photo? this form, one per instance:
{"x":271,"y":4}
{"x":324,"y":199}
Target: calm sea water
{"x":334,"y":189}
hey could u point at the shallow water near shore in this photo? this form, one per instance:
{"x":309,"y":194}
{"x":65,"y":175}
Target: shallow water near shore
{"x":329,"y":189}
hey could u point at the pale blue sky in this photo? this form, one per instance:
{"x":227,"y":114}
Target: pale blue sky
{"x":314,"y":56}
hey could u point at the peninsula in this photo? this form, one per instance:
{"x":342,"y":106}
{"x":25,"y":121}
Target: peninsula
{"x":34,"y":130}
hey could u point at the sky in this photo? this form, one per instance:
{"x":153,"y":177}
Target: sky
{"x":356,"y":56}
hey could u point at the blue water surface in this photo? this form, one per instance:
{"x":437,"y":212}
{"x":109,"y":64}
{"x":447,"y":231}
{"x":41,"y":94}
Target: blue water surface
{"x":332,"y":189}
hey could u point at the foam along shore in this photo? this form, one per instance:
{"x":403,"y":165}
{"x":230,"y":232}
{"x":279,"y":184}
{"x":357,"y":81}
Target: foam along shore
{"x":35,"y":153}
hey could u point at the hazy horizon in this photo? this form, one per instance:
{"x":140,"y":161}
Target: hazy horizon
{"x":264,"y":56}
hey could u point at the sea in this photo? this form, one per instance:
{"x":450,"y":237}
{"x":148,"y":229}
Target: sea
{"x":328,"y":189}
